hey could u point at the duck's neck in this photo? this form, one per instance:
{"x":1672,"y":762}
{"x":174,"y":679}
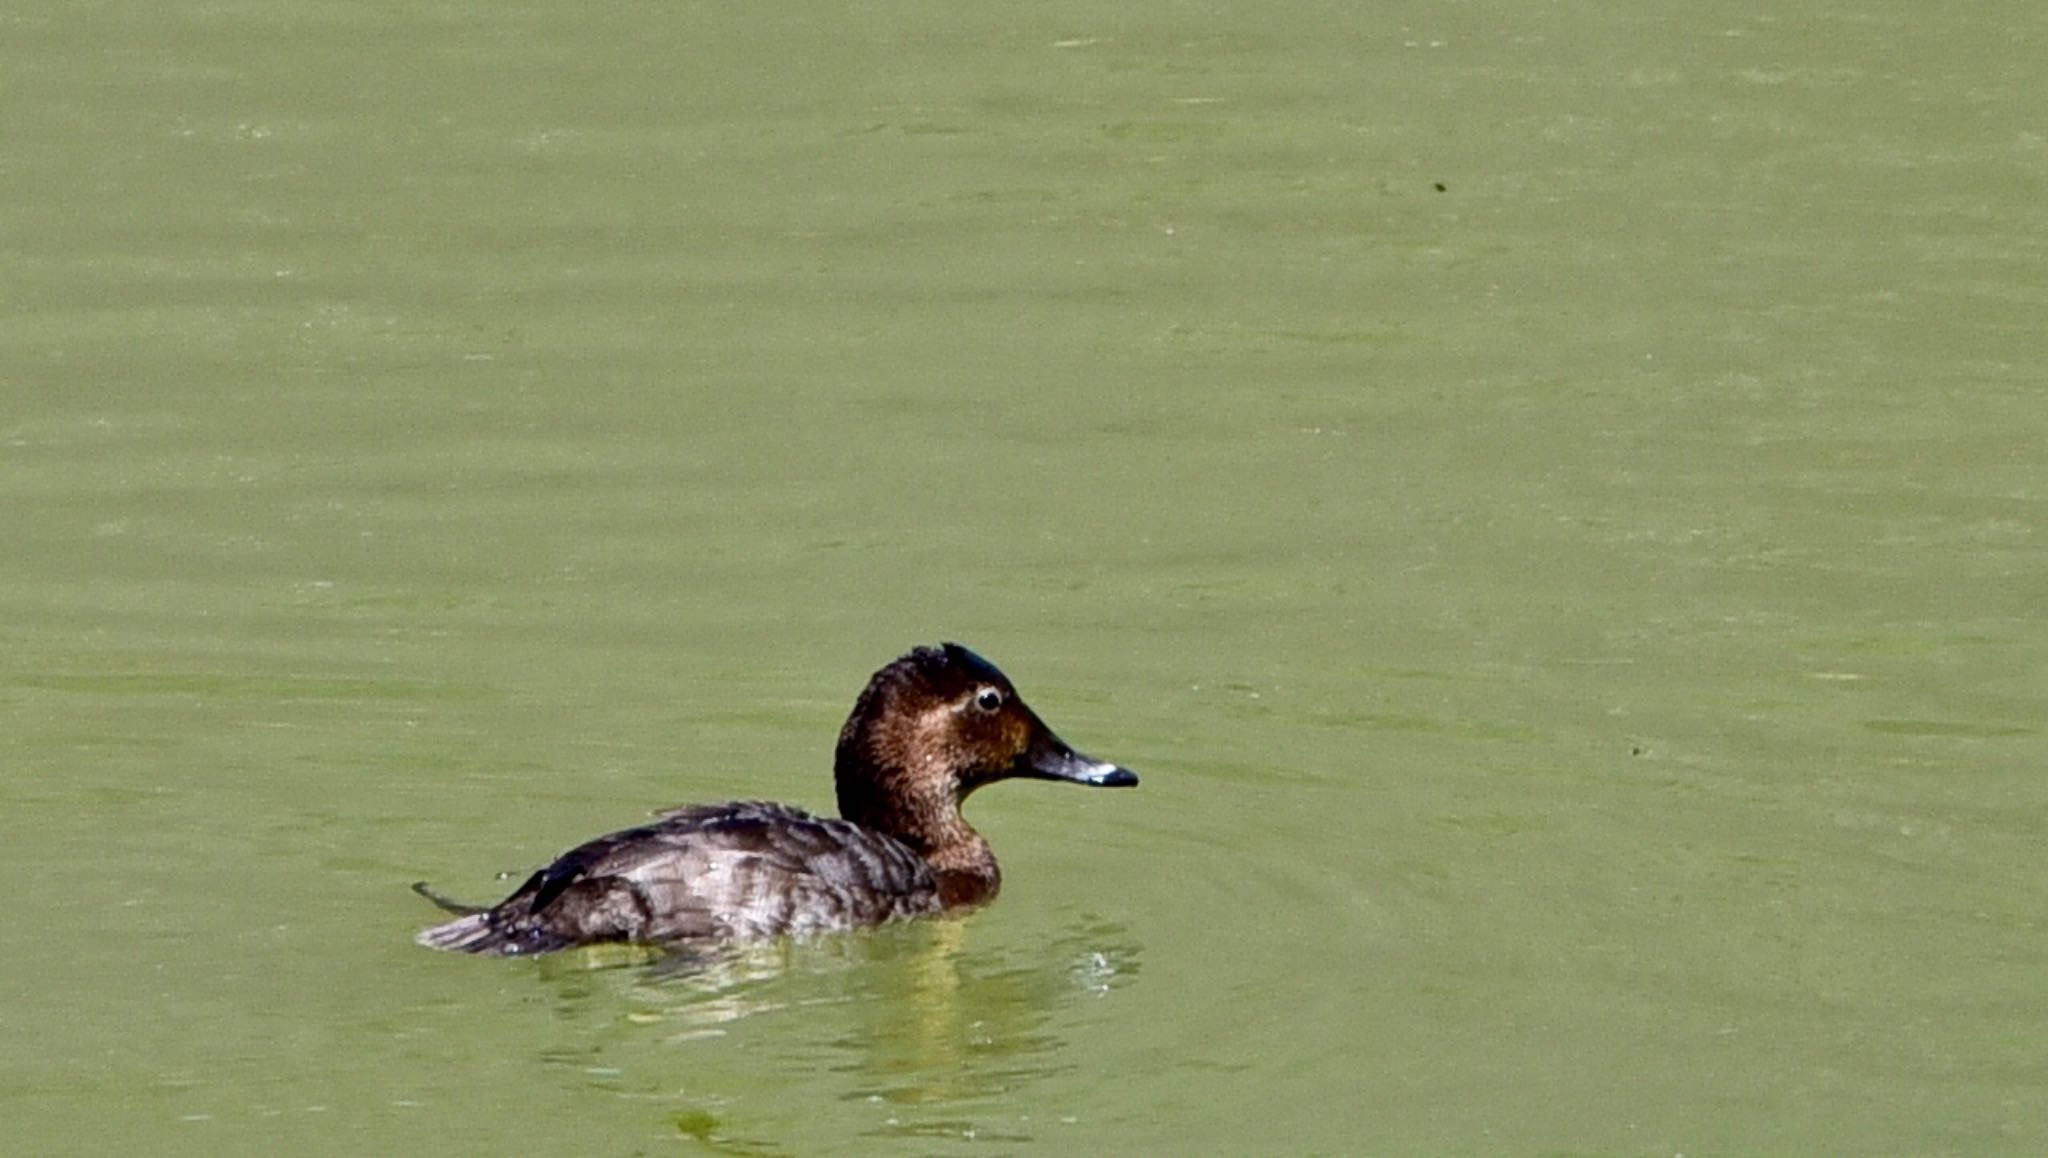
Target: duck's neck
{"x":960,"y":857}
{"x":966,"y":870}
{"x":931,"y":826}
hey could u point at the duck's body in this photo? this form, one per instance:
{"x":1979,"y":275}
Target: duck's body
{"x":717,"y":871}
{"x":929,"y":729}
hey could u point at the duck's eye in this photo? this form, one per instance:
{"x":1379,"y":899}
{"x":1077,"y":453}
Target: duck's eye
{"x":988,"y":699}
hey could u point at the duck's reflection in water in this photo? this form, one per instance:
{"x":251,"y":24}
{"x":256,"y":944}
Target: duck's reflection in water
{"x":912,"y":1018}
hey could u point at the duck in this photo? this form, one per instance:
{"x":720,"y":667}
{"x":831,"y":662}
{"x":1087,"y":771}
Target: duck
{"x":929,"y":729}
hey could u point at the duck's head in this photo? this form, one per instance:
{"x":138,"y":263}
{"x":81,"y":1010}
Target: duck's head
{"x":935,"y":725}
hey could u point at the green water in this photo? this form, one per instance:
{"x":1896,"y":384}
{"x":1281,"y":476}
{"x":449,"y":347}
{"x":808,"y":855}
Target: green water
{"x":1550,"y":498}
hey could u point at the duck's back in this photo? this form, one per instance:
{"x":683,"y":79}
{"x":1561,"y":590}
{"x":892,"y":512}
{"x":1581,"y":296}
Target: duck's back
{"x":718,"y":871}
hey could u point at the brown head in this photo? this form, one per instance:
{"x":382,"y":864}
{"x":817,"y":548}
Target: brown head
{"x":932,"y":727}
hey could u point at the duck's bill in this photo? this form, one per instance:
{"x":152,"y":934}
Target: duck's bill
{"x":1053,"y":760}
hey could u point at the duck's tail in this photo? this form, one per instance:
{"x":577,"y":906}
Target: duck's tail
{"x":443,"y":901}
{"x":483,"y":931}
{"x":478,"y":933}
{"x":470,"y":934}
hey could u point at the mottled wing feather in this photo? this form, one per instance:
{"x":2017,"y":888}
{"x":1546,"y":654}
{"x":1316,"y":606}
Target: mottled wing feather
{"x":748,"y":869}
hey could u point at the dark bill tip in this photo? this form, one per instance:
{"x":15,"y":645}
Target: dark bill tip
{"x":1082,"y":770}
{"x":1117,"y":777}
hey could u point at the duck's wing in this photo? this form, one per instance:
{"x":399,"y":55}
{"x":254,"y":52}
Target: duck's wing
{"x":720,"y":871}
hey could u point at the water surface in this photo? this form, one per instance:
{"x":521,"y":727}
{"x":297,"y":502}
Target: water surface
{"x":1550,"y":498}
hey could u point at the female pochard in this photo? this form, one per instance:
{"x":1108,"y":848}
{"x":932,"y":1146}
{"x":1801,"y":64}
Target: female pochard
{"x":928,"y":730}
